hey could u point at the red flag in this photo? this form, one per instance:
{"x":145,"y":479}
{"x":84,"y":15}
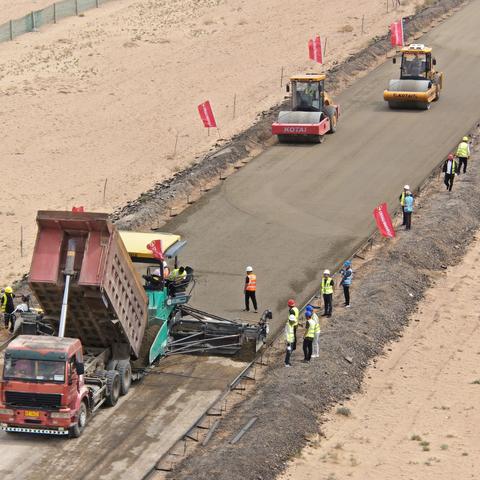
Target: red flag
{"x":315,"y":50}
{"x":396,"y":33}
{"x":384,"y":222}
{"x":155,"y":246}
{"x":78,"y":209}
{"x":206,"y":114}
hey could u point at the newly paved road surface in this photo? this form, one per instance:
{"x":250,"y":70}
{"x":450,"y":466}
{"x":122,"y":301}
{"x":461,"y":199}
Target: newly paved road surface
{"x":297,"y":210}
{"x":290,"y":213}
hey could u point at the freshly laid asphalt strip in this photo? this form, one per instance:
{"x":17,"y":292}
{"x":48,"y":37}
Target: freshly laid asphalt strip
{"x":298,"y":209}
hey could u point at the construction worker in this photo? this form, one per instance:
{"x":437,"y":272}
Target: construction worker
{"x":347,"y":276}
{"x":7,"y":307}
{"x":401,"y":198}
{"x":177,"y":274}
{"x":463,"y":154}
{"x":450,"y":168}
{"x":309,"y":336}
{"x":327,"y":292}
{"x":289,"y":337}
{"x":250,"y":290}
{"x":293,"y":310}
{"x":408,"y":210}
{"x":316,"y":336}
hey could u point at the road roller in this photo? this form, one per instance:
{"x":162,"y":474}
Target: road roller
{"x":419,"y":84}
{"x":312,"y":114}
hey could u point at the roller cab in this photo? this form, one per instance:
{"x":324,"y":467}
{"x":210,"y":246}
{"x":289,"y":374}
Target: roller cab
{"x":312,"y":113}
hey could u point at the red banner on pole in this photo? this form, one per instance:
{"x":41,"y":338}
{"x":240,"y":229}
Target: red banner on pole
{"x":384,"y":222}
{"x":206,"y":114}
{"x":396,"y":33}
{"x":315,"y":50}
{"x":78,"y":209}
{"x":155,"y":246}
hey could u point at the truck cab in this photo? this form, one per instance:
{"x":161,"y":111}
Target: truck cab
{"x":43,"y":385}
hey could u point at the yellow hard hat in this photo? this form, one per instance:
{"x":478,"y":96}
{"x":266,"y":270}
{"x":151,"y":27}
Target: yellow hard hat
{"x":8,"y":290}
{"x":465,"y":139}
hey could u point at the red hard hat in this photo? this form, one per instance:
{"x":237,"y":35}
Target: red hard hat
{"x":291,"y":302}
{"x":450,"y":156}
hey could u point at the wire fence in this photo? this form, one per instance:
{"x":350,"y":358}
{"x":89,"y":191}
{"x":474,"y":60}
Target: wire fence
{"x":51,"y":14}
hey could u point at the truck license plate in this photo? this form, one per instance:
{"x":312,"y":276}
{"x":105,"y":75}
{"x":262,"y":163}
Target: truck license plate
{"x":31,"y":413}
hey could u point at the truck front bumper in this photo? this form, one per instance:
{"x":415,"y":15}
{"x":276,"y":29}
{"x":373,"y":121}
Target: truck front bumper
{"x":38,"y":430}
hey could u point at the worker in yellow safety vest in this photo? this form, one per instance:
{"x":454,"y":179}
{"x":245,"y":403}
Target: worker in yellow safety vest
{"x":177,"y":274}
{"x":309,"y":336}
{"x":401,"y":199}
{"x":327,"y":292}
{"x":316,"y":337}
{"x":289,"y":338}
{"x":7,"y":307}
{"x":293,"y":310}
{"x":250,"y":290}
{"x":463,"y":154}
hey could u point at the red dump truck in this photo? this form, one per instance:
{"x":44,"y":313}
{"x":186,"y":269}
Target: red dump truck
{"x":51,"y":384}
{"x":99,"y":319}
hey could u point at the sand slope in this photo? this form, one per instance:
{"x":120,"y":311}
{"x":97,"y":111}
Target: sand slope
{"x":418,"y":415}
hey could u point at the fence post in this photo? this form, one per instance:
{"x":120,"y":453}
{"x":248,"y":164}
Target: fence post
{"x":34,"y":26}
{"x":54,"y":12}
{"x":97,"y":3}
{"x":11,"y":29}
{"x":76,"y":8}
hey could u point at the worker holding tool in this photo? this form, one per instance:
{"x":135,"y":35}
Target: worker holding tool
{"x":250,"y":290}
{"x":289,"y":337}
{"x":408,"y":210}
{"x":450,"y":168}
{"x":293,"y":310}
{"x":401,"y":198}
{"x":7,"y":307}
{"x":309,"y":336}
{"x":327,"y":292}
{"x":463,"y":154}
{"x":347,"y":276}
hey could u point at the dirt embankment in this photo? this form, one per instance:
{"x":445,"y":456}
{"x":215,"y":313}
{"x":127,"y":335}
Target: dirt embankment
{"x":387,"y":290}
{"x":414,"y":415}
{"x":93,"y":107}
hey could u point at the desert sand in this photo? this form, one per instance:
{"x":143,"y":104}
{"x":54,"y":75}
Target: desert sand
{"x":100,"y":100}
{"x":418,"y":414}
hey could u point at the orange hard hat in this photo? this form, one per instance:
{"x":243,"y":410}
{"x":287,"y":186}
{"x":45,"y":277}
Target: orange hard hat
{"x":291,"y":303}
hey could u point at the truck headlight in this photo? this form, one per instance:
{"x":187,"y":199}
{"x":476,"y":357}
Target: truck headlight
{"x":60,"y":415}
{"x":6,"y":411}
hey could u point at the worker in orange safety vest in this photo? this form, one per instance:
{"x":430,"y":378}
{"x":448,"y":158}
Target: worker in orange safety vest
{"x":250,"y":290}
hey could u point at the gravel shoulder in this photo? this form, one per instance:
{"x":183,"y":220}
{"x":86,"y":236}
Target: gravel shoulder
{"x":388,"y":289}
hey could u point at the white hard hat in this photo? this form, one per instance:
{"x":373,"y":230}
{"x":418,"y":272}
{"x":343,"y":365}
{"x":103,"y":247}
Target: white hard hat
{"x":292,"y":318}
{"x":326,"y":272}
{"x":249,"y":269}
{"x":406,"y":187}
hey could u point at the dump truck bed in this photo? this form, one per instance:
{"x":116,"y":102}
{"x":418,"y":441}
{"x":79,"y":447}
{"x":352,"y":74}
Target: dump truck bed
{"x":107,"y":304}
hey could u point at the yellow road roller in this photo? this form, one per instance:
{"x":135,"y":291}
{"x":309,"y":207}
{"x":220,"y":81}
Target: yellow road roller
{"x":419,"y":84}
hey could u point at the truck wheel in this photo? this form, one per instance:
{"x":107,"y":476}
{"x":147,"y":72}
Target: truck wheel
{"x":113,"y":388}
{"x":331,"y":113}
{"x":125,"y":371}
{"x":78,"y":428}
